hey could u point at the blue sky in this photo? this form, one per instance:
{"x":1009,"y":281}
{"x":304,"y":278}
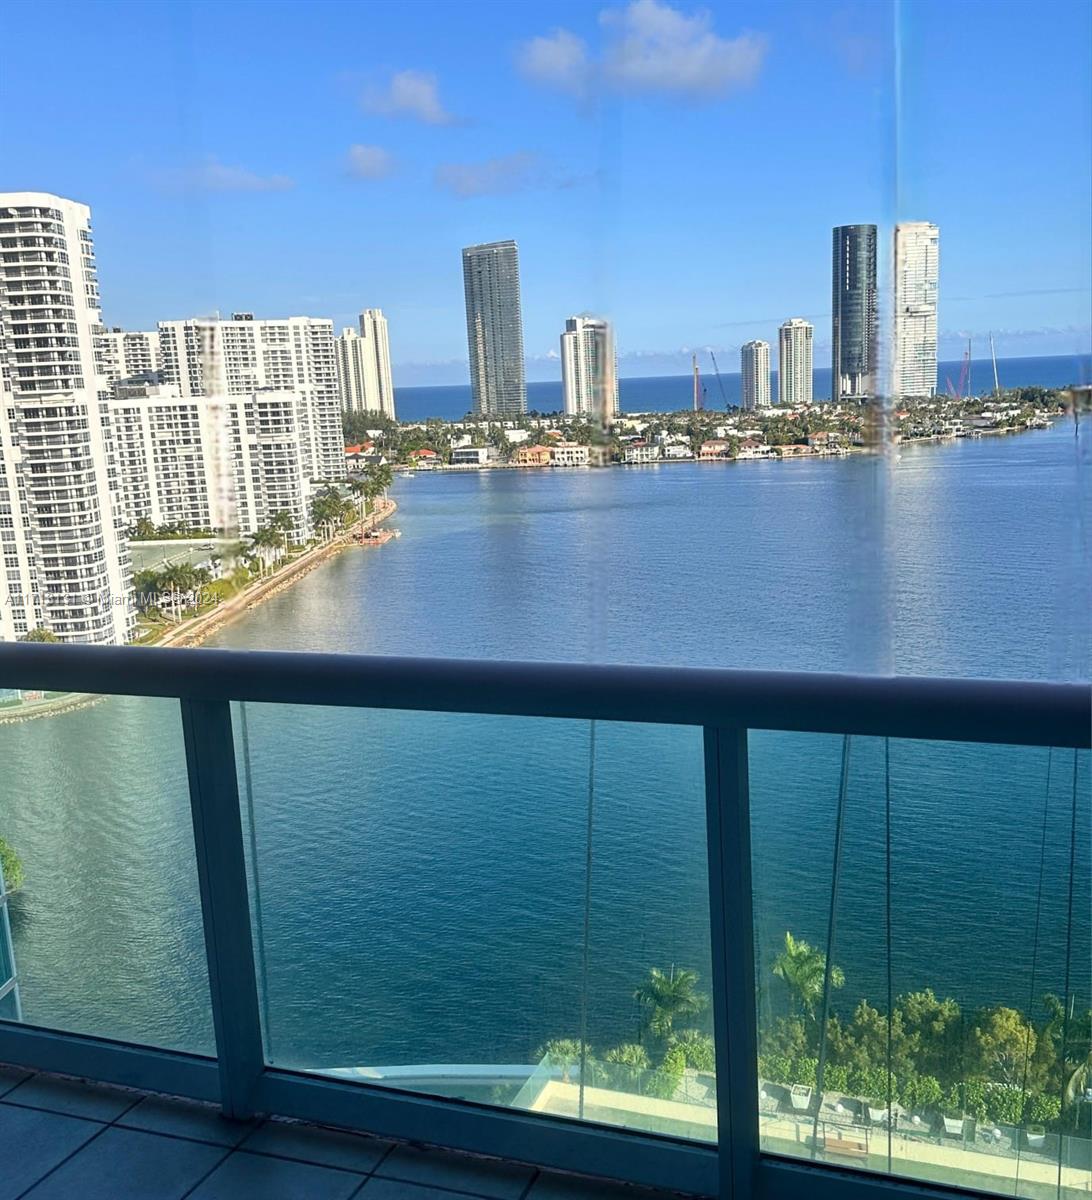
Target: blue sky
{"x":676,"y":168}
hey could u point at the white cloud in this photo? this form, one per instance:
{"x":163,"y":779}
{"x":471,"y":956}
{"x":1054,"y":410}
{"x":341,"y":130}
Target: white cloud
{"x":215,"y":176}
{"x":368,"y":162}
{"x":648,"y":47}
{"x":560,"y":60}
{"x":409,"y":94}
{"x":658,"y":48}
{"x":492,"y":177}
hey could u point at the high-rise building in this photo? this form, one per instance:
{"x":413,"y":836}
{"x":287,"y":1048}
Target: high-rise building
{"x":589,"y":368}
{"x":125,"y":354}
{"x":211,"y":462}
{"x":364,"y":366}
{"x":754,"y":365}
{"x":853,"y":313}
{"x":794,"y":363}
{"x":66,"y":564}
{"x":494,"y":328}
{"x":241,"y":356}
{"x":917,"y":273}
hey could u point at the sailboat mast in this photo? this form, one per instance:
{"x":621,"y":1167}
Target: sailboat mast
{"x":996,"y":382}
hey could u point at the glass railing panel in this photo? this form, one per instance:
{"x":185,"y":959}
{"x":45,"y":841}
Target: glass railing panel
{"x":947,"y":887}
{"x":103,"y":903}
{"x":471,"y":906}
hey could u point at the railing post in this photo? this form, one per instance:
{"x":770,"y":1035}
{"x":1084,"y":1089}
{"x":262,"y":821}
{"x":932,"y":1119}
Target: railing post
{"x":225,"y":906}
{"x":728,"y":828}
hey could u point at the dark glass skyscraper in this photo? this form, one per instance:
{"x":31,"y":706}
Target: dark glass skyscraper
{"x":853,"y":312}
{"x":494,"y":328}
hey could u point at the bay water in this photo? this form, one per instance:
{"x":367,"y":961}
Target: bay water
{"x":421,"y":881}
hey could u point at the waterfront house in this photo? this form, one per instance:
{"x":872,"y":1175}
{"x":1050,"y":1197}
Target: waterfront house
{"x":531,"y":456}
{"x":473,"y":456}
{"x":678,"y":450}
{"x":641,"y":452}
{"x":424,"y":459}
{"x":569,"y":454}
{"x":714,"y":448}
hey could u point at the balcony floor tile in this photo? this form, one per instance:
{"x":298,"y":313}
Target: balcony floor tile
{"x":259,"y":1177}
{"x":482,"y":1177}
{"x":126,"y":1164}
{"x":62,"y":1138}
{"x":72,"y":1097}
{"x":186,"y":1119}
{"x":322,"y":1147}
{"x":569,"y":1187}
{"x":398,"y":1189}
{"x":11,"y":1077}
{"x":33,"y":1143}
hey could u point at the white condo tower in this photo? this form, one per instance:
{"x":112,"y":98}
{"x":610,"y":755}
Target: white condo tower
{"x":754,"y":363}
{"x":794,"y":363}
{"x":589,"y":368}
{"x":66,"y":564}
{"x":917,"y":275}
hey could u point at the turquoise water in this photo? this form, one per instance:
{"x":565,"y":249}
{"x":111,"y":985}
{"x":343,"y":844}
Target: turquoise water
{"x":422,"y":877}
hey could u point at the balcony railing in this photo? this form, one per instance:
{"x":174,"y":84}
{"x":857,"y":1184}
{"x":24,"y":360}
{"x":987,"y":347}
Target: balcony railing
{"x":566,"y":1111}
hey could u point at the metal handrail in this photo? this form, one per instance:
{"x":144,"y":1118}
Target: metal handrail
{"x":726,"y":704}
{"x":1012,"y":712}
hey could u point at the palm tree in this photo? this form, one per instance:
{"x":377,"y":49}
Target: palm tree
{"x":40,"y":634}
{"x":663,"y":998}
{"x":633,"y":1061}
{"x":563,"y":1053}
{"x":359,"y":488}
{"x":282,"y":522}
{"x":803,"y":969}
{"x":265,"y":539}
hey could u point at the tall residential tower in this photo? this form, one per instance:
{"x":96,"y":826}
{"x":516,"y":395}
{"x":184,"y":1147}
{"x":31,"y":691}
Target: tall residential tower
{"x":211,"y":357}
{"x":917,"y":273}
{"x":66,"y":564}
{"x":494,"y":328}
{"x":754,"y":365}
{"x":589,"y":368}
{"x":853,"y":313}
{"x":794,"y":363}
{"x":364,"y":366}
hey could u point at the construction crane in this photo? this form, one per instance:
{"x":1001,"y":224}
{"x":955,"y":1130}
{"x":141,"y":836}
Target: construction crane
{"x":720,"y":382}
{"x":957,"y":392}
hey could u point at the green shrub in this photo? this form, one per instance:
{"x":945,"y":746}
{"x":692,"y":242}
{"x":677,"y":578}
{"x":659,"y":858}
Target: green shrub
{"x":804,"y":1070}
{"x":663,"y":1082}
{"x":1004,"y":1105}
{"x":871,"y":1083}
{"x":697,"y":1048}
{"x":921,"y":1092}
{"x":974,"y":1099}
{"x":775,"y":1068}
{"x":836,"y":1078}
{"x":1042,"y":1110}
{"x":12,"y":867}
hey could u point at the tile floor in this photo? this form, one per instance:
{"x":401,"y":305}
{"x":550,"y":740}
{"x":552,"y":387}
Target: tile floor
{"x":65,"y":1139}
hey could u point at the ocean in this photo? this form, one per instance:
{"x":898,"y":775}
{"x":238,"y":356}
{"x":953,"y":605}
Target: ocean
{"x":421,"y":877}
{"x":668,"y":393}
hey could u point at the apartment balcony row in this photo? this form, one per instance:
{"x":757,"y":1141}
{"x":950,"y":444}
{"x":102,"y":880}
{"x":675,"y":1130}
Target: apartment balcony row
{"x":446,"y":949}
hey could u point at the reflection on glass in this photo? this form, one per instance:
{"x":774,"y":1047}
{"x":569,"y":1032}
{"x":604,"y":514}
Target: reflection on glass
{"x":506,"y":910}
{"x":923,"y":963}
{"x":104,"y":913}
